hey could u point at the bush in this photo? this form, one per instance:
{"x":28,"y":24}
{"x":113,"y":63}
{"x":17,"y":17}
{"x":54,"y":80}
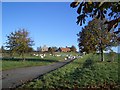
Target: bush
{"x":112,"y":56}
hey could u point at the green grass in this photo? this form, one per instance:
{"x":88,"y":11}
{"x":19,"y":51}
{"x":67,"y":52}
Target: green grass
{"x":9,"y":63}
{"x":67,"y":53}
{"x":17,"y":64}
{"x":85,"y":72}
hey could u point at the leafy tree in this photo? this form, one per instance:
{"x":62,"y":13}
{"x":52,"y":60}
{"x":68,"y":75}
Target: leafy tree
{"x":102,"y":9}
{"x":95,"y":37}
{"x":51,"y":50}
{"x":19,"y":42}
{"x":55,"y":48}
{"x":30,"y":49}
{"x":73,"y":48}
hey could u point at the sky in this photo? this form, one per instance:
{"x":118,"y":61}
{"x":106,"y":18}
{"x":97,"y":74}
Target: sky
{"x":49,"y":23}
{"x":0,"y":23}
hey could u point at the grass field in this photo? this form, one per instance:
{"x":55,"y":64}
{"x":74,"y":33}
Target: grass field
{"x":16,"y":62}
{"x":86,"y":72}
{"x":8,"y":63}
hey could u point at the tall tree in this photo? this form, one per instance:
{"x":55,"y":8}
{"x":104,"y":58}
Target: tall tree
{"x":102,"y":9}
{"x":19,"y":42}
{"x":95,"y":37}
{"x":73,"y":48}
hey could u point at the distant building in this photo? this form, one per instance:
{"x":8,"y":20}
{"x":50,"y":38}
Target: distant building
{"x":64,"y":49}
{"x":44,"y":48}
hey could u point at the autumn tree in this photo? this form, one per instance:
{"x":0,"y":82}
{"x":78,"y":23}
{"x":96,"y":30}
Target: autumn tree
{"x":86,"y":41}
{"x":101,"y":9}
{"x":96,"y":37}
{"x":51,"y":50}
{"x":19,"y":42}
{"x":73,"y":48}
{"x":55,"y":48}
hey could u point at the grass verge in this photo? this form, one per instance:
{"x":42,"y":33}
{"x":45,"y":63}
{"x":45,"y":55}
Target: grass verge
{"x":87,"y":72}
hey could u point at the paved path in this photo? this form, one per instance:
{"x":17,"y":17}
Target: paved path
{"x":16,"y":77}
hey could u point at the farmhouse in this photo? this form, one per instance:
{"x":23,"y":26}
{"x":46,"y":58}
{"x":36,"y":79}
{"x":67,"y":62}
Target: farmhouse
{"x":44,"y":48}
{"x":64,"y":49}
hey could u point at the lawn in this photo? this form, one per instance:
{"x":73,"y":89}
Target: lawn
{"x":9,"y":63}
{"x":85,"y":72}
{"x":17,"y":64}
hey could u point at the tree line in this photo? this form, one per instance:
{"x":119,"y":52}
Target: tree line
{"x":19,"y":42}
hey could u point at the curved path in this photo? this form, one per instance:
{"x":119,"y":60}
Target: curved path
{"x":15,"y":77}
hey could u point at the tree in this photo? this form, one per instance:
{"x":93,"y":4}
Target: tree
{"x":73,"y":48}
{"x":86,"y":41}
{"x":30,"y":49}
{"x":51,"y":50}
{"x":100,"y":10}
{"x":55,"y":48}
{"x":19,"y":42}
{"x":96,"y":37}
{"x":39,"y":49}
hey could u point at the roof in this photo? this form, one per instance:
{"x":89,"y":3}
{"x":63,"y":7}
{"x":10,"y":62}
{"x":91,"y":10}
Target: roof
{"x":65,"y":49}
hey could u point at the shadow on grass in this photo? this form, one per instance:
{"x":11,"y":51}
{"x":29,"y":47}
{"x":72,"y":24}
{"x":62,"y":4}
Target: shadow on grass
{"x":29,"y":59}
{"x":81,"y":75}
{"x":88,"y":63}
{"x":79,"y":72}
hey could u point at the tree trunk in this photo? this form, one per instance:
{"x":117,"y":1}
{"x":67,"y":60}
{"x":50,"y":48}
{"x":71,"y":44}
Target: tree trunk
{"x":11,"y":55}
{"x":23,"y":57}
{"x":102,"y":55}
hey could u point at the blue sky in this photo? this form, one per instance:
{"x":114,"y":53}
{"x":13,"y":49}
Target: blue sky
{"x":0,"y":23}
{"x":51,"y":23}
